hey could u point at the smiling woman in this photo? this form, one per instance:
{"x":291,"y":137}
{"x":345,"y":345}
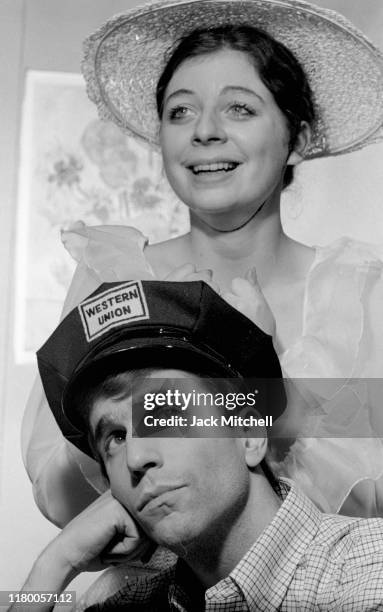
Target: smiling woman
{"x":260,"y":86}
{"x":252,"y":57}
{"x":227,"y":151}
{"x":231,"y":131}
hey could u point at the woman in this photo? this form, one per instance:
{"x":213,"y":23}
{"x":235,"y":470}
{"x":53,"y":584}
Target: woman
{"x":236,"y":111}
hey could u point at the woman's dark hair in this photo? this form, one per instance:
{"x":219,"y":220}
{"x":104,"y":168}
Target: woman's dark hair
{"x":278,"y":69}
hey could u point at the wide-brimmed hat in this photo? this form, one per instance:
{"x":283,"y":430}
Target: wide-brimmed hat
{"x":126,"y":56}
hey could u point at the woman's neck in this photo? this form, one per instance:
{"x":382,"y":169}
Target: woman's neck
{"x":231,"y":253}
{"x":261,"y":244}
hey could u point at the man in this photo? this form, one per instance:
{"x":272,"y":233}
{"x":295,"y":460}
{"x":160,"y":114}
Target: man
{"x":243,"y":541}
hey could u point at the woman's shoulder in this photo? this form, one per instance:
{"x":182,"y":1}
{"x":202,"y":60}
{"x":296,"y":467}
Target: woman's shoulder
{"x":341,"y":306}
{"x":349,"y":269}
{"x":79,"y":238}
{"x":347,"y":251}
{"x":345,"y":268}
{"x":118,"y":250}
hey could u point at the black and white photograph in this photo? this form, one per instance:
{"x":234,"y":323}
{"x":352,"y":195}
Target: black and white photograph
{"x":192,"y":345}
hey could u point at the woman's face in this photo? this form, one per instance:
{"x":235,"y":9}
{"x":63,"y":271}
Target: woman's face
{"x":224,"y":140}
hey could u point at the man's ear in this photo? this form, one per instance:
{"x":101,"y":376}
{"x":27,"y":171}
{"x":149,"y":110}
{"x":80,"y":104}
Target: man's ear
{"x":254,"y":448}
{"x":302,"y":143}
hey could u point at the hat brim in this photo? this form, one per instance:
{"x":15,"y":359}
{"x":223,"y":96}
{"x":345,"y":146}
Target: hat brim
{"x":135,"y":354}
{"x":125,"y":57}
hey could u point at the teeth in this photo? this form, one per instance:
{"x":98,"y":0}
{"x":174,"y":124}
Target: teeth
{"x":214,"y":167}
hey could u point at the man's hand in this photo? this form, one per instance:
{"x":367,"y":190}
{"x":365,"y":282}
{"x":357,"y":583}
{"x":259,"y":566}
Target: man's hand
{"x":104,"y":532}
{"x":101,"y":533}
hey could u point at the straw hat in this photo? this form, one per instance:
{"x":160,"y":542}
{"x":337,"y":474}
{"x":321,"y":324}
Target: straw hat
{"x":125,"y":58}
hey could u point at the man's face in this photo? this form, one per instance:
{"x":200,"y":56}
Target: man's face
{"x":178,"y":489}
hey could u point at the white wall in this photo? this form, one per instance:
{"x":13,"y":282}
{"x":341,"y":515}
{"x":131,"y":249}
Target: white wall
{"x":47,"y":35}
{"x":341,"y":195}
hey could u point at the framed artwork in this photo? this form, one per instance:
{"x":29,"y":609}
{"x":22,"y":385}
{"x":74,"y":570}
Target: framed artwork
{"x":75,"y":167}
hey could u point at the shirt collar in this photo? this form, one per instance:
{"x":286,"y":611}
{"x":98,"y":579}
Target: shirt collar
{"x":265,"y":572}
{"x":186,"y":591}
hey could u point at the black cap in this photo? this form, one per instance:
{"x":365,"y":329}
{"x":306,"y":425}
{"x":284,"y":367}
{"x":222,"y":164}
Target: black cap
{"x":183,"y":325}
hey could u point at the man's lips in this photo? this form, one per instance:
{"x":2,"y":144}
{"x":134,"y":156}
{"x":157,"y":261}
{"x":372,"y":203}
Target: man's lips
{"x":155,"y":493}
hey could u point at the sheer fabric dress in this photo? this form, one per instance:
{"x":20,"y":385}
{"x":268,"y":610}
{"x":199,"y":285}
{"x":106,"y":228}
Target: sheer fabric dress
{"x":332,"y":429}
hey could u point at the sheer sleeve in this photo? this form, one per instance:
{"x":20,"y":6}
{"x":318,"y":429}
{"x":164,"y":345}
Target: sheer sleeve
{"x":337,"y":416}
{"x":64,"y":479}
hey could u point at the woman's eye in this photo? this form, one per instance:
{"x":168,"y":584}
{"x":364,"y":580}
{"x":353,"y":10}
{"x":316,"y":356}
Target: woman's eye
{"x":179,"y":112}
{"x":240,"y":109}
{"x":114,"y":440}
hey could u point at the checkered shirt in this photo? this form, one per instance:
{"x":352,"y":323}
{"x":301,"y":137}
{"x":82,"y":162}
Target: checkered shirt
{"x":303,"y":561}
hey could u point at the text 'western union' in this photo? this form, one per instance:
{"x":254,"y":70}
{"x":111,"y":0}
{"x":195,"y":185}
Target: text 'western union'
{"x":123,"y":304}
{"x":111,"y":302}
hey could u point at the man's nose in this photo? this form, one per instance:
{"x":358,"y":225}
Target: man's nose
{"x":142,"y":454}
{"x":209,"y":128}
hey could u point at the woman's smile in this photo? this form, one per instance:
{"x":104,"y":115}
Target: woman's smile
{"x":213,"y":172}
{"x":224,"y":139}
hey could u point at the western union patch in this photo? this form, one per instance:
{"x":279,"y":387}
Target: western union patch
{"x":113,"y":307}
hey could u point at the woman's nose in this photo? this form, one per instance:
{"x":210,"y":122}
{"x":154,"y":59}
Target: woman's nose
{"x":142,"y":454}
{"x":209,"y":128}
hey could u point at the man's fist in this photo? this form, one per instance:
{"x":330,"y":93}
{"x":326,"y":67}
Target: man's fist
{"x":102,"y":533}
